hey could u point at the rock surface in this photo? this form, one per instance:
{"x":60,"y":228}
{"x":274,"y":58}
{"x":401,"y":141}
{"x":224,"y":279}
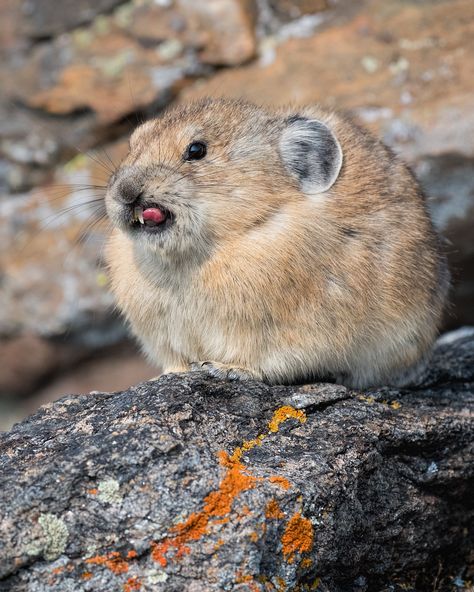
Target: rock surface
{"x":189,"y":483}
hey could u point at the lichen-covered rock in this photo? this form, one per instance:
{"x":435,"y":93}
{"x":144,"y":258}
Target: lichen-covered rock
{"x":188,"y":484}
{"x":44,"y":18}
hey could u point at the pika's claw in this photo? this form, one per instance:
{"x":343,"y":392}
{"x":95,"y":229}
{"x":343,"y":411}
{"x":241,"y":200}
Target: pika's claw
{"x":223,"y":371}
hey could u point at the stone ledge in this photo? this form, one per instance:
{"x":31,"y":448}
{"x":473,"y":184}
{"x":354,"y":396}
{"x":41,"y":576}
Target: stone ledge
{"x":187,"y":484}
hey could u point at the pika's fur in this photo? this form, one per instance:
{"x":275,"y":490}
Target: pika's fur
{"x":298,"y":247}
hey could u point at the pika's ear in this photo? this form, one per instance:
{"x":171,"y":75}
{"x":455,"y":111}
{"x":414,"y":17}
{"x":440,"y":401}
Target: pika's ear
{"x":311,"y":153}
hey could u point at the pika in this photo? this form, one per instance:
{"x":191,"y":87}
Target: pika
{"x":281,"y":245}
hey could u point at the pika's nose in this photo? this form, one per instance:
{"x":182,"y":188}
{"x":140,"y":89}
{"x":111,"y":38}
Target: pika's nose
{"x":127,"y":186}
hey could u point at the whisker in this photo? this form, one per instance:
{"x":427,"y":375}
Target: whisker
{"x":107,"y":155}
{"x":84,"y":233}
{"x":49,"y":220}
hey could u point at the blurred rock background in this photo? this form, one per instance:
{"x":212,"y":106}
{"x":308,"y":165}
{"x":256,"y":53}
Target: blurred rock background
{"x":77,"y":76}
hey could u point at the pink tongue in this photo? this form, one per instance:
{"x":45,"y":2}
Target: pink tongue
{"x":154,"y":214}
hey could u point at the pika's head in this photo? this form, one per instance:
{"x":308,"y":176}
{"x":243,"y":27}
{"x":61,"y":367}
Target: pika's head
{"x":208,"y":171}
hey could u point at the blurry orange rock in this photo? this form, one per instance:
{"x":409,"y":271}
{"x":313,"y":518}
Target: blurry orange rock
{"x":128,"y":60}
{"x":226,"y":29}
{"x":291,"y":9}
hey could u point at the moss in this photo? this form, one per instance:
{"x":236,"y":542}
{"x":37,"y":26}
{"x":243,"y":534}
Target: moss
{"x":109,"y":491}
{"x":56,"y":535}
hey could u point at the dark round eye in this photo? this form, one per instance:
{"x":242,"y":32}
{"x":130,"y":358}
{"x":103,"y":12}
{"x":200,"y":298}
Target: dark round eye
{"x":196,"y":151}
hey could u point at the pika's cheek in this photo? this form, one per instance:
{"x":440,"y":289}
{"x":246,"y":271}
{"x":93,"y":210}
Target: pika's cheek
{"x":114,"y":212}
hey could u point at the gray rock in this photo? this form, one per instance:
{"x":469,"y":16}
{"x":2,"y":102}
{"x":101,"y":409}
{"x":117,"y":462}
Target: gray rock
{"x":44,"y":18}
{"x":189,"y":483}
{"x":448,"y":180}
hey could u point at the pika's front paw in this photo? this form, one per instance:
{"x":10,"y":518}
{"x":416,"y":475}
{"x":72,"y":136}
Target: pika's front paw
{"x":223,"y":371}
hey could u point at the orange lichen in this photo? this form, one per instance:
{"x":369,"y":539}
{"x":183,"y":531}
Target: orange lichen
{"x":306,"y":562}
{"x":254,"y":537}
{"x":87,"y":575}
{"x":242,"y":578}
{"x":281,"y":481}
{"x":57,"y":570}
{"x":219,"y":544}
{"x":132,"y":584}
{"x":273,"y":511}
{"x":158,"y":552}
{"x":132,"y":554}
{"x":281,"y":584}
{"x":298,"y":537}
{"x":218,"y":504}
{"x":92,"y":491}
{"x":235,"y":481}
{"x":367,"y":399}
{"x":112,"y":561}
{"x":284,"y":413}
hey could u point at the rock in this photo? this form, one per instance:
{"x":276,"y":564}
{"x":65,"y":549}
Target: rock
{"x":226,"y":27}
{"x":51,"y":244}
{"x":45,"y":18}
{"x":25,"y":361}
{"x":97,"y":64}
{"x":189,"y":483}
{"x":37,"y":371}
{"x":448,"y":180}
{"x":10,"y":23}
{"x":107,"y":73}
{"x":287,"y":10}
{"x":103,"y":68}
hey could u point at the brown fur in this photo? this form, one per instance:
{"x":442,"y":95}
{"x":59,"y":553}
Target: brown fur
{"x":258,"y":277}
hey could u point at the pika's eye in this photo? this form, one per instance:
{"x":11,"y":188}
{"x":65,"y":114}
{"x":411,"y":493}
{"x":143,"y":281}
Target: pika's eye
{"x":195,"y":151}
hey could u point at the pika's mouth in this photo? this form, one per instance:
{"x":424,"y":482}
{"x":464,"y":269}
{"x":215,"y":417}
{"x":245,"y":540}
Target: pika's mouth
{"x":151,"y":218}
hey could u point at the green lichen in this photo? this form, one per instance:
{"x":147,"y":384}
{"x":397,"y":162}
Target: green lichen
{"x":82,"y":38}
{"x":109,"y":491}
{"x":101,"y":24}
{"x":55,"y":533}
{"x":91,"y":548}
{"x":34,"y":548}
{"x":123,"y":15}
{"x":170,"y":49}
{"x":111,"y":67}
{"x":155,"y":577}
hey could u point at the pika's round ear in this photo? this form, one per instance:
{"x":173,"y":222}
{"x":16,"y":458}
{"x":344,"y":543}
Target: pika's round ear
{"x":311,"y":153}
